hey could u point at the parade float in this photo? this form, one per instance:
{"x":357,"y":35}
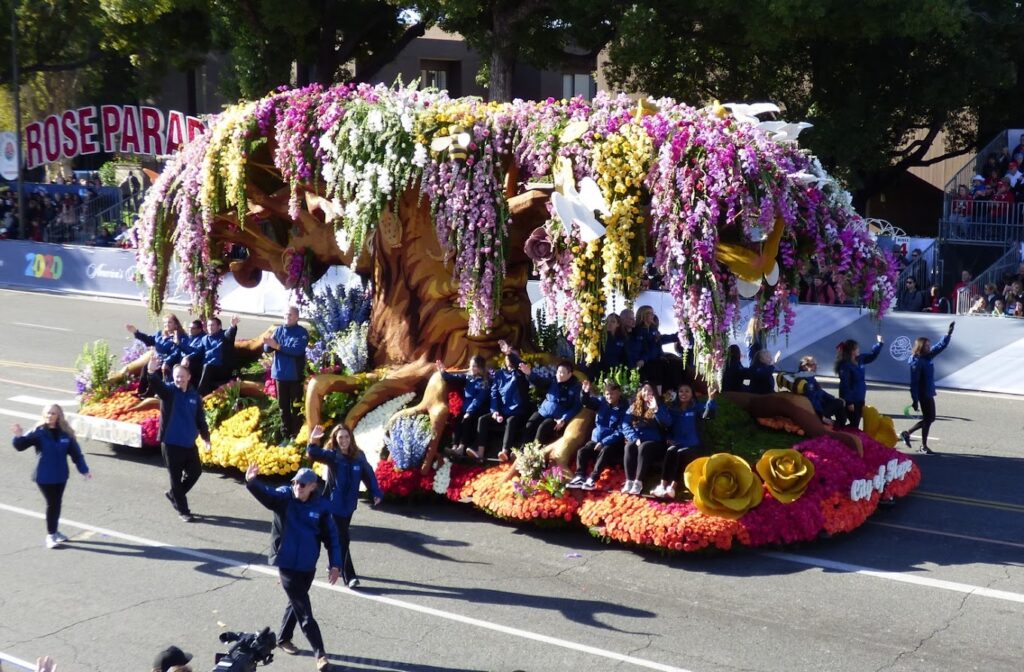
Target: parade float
{"x":445,"y":207}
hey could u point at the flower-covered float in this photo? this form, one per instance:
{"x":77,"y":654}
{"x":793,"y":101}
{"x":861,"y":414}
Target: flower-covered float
{"x":445,"y":206}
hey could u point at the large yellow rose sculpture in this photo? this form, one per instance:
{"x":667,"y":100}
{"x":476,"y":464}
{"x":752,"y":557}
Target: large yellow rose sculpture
{"x":786,"y":473}
{"x":879,"y":427}
{"x":723,"y":485}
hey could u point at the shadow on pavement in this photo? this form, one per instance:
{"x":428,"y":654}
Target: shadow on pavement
{"x":207,"y":560}
{"x":583,"y":612}
{"x":408,"y":540}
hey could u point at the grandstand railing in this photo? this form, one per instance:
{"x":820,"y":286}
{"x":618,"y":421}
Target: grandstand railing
{"x":986,"y":223}
{"x":970,"y":292}
{"x":970,"y":169}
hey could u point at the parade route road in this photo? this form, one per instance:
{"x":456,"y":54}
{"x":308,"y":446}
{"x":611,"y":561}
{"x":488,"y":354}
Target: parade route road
{"x":934,"y":583}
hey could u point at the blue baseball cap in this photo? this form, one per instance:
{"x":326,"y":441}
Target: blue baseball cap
{"x":304,"y":476}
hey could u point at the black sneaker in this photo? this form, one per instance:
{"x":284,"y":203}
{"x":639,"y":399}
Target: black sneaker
{"x":170,"y":498}
{"x":187,"y":517}
{"x":927,"y":451}
{"x":906,"y":438}
{"x":288,"y":647}
{"x":576,"y":482}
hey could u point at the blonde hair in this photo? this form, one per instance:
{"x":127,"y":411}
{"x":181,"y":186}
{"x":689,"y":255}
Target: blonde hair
{"x":806,"y":361}
{"x":62,"y":422}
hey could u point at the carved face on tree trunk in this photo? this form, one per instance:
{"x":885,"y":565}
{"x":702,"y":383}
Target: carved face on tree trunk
{"x":415,"y":312}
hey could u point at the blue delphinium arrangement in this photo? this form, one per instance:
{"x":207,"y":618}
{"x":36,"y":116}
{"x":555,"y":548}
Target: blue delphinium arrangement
{"x":407,"y":440}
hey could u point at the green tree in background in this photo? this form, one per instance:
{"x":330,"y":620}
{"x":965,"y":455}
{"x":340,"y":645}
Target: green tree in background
{"x":879,"y":80}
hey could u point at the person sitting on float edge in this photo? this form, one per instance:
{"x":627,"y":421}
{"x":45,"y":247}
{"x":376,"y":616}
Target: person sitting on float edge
{"x":682,"y":439}
{"x":192,"y":350}
{"x":825,"y":405}
{"x":607,"y":441}
{"x":645,"y":437}
{"x":510,"y":406}
{"x":562,"y":401}
{"x":476,"y":395}
{"x":218,"y":348}
{"x":166,"y":344}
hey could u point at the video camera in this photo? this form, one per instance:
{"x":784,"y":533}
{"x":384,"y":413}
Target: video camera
{"x":249,"y":651}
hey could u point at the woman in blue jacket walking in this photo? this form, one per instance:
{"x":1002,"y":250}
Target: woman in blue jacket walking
{"x":922,"y":385}
{"x":55,"y":442}
{"x":348,"y":468}
{"x":302,"y":522}
{"x":853,"y":389}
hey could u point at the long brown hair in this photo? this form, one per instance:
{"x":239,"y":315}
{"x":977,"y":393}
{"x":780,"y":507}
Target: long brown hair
{"x":332,"y":442}
{"x":639,"y":408}
{"x":919,"y":346}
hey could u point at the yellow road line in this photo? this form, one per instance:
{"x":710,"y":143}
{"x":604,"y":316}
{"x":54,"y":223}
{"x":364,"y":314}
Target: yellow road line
{"x":938,"y":496}
{"x":38,"y":387}
{"x":44,"y":367}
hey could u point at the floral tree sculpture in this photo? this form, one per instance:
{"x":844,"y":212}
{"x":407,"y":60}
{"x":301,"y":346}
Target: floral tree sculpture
{"x":443,"y":205}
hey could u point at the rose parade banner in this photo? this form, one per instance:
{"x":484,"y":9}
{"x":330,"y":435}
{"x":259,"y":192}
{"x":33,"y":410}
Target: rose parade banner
{"x":113,"y":129}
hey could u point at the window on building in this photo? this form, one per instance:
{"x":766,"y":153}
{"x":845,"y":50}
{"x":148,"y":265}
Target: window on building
{"x":441,"y":75}
{"x":578,"y":85}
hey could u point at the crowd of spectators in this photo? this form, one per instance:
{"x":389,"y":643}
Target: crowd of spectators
{"x":1001,"y":299}
{"x":63,"y":216}
{"x":993,"y":193}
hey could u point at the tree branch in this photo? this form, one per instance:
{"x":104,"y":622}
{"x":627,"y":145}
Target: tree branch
{"x":92,"y":57}
{"x":367,"y":69}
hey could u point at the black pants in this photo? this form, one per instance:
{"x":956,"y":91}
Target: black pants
{"x":676,"y":457}
{"x":609,"y":455}
{"x":835,"y":409}
{"x":853,"y":417}
{"x":927,"y":405}
{"x":296,"y":586}
{"x":540,"y":428}
{"x":184,"y":468}
{"x":288,"y":392}
{"x":214,"y":375}
{"x":54,"y":495}
{"x":348,"y":571}
{"x":465,"y":431}
{"x":513,"y":431}
{"x":638,"y":459}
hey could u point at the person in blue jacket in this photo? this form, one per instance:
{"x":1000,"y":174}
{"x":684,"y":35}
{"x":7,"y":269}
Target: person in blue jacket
{"x":166,"y":344}
{"x":55,"y":442}
{"x":922,"y":385}
{"x":762,"y":372}
{"x":288,"y":343}
{"x":182,"y":421}
{"x":217,"y":347}
{"x":644,"y":430}
{"x":562,"y":401}
{"x":635,"y":344}
{"x":192,"y":350}
{"x":476,"y":401}
{"x":849,"y":366}
{"x":302,"y":522}
{"x":734,"y":373}
{"x":348,"y":468}
{"x":510,"y":407}
{"x":607,"y":442}
{"x":613,"y":349}
{"x":824,"y":404}
{"x":682,"y":437}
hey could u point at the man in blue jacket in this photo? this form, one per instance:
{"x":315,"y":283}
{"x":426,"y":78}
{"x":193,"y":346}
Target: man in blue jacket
{"x":562,"y":401}
{"x":288,"y":344}
{"x":510,"y":408}
{"x":182,"y":420}
{"x":217,"y":348}
{"x":607,"y":442}
{"x":302,"y":522}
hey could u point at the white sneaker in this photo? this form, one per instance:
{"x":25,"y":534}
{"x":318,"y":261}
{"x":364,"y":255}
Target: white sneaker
{"x":576,"y":482}
{"x":658,"y":491}
{"x":354,"y":583}
{"x":52,"y":541}
{"x":626,"y":487}
{"x":59,"y":537}
{"x":636,"y":488}
{"x":670,"y":492}
{"x":589,"y":484}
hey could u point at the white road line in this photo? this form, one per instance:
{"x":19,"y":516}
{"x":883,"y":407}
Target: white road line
{"x":914,"y":579}
{"x":39,"y":401}
{"x":19,"y":414}
{"x":430,"y":611}
{"x":966,"y":537}
{"x":40,"y":326}
{"x":24,"y":664}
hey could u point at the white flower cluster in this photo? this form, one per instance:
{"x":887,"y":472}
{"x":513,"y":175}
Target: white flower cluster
{"x":369,"y":433}
{"x":370,"y":155}
{"x":443,"y":478}
{"x":350,"y":347}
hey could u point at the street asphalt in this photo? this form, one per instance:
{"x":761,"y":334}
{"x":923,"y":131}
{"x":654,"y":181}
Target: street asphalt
{"x":933,"y":583}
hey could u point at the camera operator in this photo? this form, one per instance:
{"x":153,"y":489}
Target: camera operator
{"x":171,"y":658}
{"x":302,"y":521}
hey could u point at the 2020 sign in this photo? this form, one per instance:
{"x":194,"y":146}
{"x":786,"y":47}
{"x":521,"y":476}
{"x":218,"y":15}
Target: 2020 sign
{"x":43,"y":266}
